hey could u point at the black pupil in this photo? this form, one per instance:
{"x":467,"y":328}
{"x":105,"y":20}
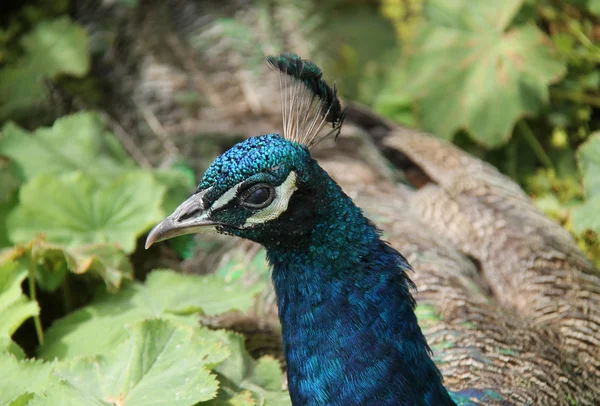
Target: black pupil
{"x":259,"y":196}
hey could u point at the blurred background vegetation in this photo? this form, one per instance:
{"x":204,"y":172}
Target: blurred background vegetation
{"x":83,"y":82}
{"x":111,"y":109}
{"x":515,"y":83}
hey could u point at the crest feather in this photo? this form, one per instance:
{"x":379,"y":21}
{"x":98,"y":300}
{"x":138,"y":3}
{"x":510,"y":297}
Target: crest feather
{"x":307,"y":101}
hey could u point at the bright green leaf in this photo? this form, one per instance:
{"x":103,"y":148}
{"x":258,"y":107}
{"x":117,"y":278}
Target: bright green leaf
{"x":10,"y":180}
{"x":5,"y":210}
{"x":594,"y":6}
{"x":15,"y":307}
{"x":64,"y":394}
{"x":179,"y":186}
{"x":263,"y":378}
{"x":52,"y":262}
{"x":74,"y":143}
{"x":9,"y":346}
{"x":585,"y":216}
{"x":52,"y":48}
{"x":165,"y":294}
{"x":162,"y":363}
{"x":75,"y":210}
{"x":19,"y":377}
{"x":588,"y":157}
{"x":472,"y":70}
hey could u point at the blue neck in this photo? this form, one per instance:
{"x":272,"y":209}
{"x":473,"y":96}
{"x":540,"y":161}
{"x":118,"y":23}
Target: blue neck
{"x":349,"y":330}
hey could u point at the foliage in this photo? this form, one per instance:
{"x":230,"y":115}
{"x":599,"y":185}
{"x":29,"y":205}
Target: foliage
{"x":473,"y":69}
{"x":78,"y":211}
{"x":15,"y":307}
{"x":515,"y":83}
{"x":53,"y":48}
{"x":165,"y":294}
{"x":73,"y":204}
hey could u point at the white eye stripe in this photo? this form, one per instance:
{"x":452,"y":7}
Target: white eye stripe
{"x":225,"y":197}
{"x":283,"y":194}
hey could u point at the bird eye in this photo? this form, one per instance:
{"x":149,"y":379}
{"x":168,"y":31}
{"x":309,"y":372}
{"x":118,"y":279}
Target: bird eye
{"x":258,"y":197}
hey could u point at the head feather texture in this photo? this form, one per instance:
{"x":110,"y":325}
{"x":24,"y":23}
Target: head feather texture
{"x":307,"y":101}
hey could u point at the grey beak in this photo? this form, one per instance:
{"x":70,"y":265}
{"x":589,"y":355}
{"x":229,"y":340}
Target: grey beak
{"x":189,"y":218}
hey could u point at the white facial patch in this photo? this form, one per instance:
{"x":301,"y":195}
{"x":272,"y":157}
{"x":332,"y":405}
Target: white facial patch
{"x":225,"y":198}
{"x":283,"y":194}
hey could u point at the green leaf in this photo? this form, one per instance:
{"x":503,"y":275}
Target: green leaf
{"x":52,"y":262}
{"x":472,"y":70}
{"x":162,"y":363}
{"x":179,"y":183}
{"x":74,"y":143}
{"x":585,"y":217}
{"x":15,"y":307}
{"x":52,"y":48}
{"x":20,"y":377}
{"x":165,"y":294}
{"x":10,"y":181}
{"x":75,"y":210}
{"x":588,"y":157}
{"x":7,"y":345}
{"x":594,"y":6}
{"x":64,"y":394}
{"x":240,"y":374}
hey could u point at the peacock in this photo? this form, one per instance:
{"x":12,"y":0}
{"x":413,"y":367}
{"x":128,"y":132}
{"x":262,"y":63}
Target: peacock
{"x":349,"y":328}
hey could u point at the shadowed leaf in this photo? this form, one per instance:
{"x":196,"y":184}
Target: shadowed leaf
{"x":15,"y":307}
{"x":162,"y":363}
{"x":52,"y":48}
{"x":165,"y":294}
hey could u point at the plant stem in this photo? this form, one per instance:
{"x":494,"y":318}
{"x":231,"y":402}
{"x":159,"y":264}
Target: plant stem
{"x":535,"y":145}
{"x":32,"y":293}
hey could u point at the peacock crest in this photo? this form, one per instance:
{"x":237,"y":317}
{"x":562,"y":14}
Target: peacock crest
{"x":308,"y":103}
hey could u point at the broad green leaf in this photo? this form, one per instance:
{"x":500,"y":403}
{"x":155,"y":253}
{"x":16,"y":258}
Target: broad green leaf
{"x":180,"y":185}
{"x":240,"y":374}
{"x":77,"y":142}
{"x":52,"y":262}
{"x":594,"y":6}
{"x":162,"y":363}
{"x":7,"y":345}
{"x":52,"y":48}
{"x":585,"y":217}
{"x":10,"y":180}
{"x":75,"y":210}
{"x":19,"y":377}
{"x":472,"y":70}
{"x":588,"y":157}
{"x":64,"y":394}
{"x":15,"y":307}
{"x":5,"y":210}
{"x":165,"y":294}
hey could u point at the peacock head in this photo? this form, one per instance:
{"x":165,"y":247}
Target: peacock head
{"x":265,"y":188}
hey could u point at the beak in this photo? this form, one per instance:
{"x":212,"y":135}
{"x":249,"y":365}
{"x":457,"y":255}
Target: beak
{"x":189,"y":218}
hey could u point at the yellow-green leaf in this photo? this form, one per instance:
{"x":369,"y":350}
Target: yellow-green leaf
{"x":472,"y":70}
{"x":588,"y":157}
{"x":15,"y":307}
{"x":75,"y":210}
{"x":165,"y":294}
{"x":162,"y":363}
{"x":77,"y":142}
